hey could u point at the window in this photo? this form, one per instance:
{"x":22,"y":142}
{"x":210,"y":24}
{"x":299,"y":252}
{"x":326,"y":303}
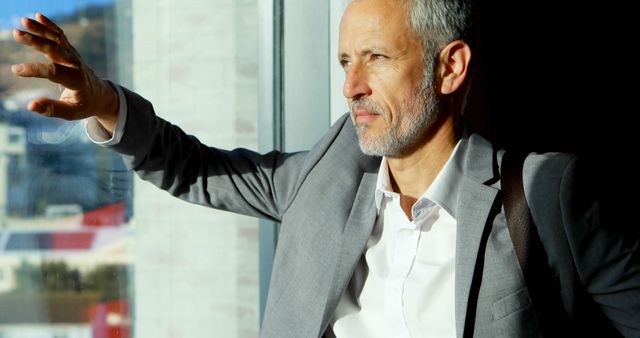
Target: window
{"x":86,"y":248}
{"x":65,"y":204}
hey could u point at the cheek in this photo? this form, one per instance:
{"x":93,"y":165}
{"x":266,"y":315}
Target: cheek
{"x":387,"y":91}
{"x":394,"y":86}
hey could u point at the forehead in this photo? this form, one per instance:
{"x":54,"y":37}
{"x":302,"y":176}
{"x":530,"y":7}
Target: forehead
{"x":389,"y":7}
{"x":385,"y":20}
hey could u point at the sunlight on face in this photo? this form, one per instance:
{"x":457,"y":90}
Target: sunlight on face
{"x":392,"y":102}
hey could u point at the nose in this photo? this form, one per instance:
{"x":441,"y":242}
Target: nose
{"x":356,"y":84}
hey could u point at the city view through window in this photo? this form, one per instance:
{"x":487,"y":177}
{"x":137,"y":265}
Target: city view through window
{"x":86,"y":248}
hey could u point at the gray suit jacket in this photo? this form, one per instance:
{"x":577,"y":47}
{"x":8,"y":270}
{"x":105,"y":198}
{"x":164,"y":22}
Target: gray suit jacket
{"x":324,"y":200}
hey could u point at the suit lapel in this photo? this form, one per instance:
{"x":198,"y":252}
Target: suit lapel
{"x":354,"y":238}
{"x":475,"y":203}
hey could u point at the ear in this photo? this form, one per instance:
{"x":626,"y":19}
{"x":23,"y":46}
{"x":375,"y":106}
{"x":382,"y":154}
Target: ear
{"x":453,"y":66}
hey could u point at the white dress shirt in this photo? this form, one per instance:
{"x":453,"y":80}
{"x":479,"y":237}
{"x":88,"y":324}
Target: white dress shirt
{"x":404,"y":286}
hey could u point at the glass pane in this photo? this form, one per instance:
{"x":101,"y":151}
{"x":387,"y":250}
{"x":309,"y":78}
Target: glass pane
{"x":86,"y":248}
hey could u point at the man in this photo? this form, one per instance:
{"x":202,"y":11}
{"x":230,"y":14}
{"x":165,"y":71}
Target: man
{"x":413,"y":244}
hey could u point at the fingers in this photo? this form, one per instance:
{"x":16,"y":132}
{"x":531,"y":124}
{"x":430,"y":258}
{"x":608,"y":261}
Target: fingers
{"x":69,"y":77}
{"x":42,"y":30}
{"x":56,"y":108}
{"x":47,"y":38}
{"x":60,"y":53}
{"x":50,"y":24}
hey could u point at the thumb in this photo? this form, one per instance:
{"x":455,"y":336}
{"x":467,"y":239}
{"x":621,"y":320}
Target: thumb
{"x":56,"y":108}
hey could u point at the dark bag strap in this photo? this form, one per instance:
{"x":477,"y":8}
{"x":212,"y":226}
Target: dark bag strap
{"x":539,"y":277}
{"x":516,"y":208}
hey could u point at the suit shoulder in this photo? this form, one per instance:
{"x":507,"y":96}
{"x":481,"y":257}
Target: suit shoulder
{"x":552,"y":161}
{"x":340,"y":129}
{"x":545,"y":179}
{"x":543,"y":170}
{"x":340,"y":144}
{"x":340,"y":153}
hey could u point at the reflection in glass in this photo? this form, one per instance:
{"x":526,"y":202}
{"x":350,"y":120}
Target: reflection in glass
{"x":70,"y":213}
{"x":65,"y":265}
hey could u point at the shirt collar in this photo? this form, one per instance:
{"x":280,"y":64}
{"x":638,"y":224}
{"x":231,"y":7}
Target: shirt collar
{"x":445,"y":183}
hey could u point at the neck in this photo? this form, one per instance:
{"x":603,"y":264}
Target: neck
{"x":412,"y":174}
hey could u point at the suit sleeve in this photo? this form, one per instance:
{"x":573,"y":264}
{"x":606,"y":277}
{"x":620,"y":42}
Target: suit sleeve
{"x":606,"y":257}
{"x":239,"y":181}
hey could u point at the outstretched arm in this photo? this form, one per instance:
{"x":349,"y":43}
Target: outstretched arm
{"x":84,"y":94}
{"x":239,"y":181}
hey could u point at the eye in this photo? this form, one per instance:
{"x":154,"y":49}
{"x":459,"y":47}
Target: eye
{"x":345,"y":63}
{"x":376,"y":57}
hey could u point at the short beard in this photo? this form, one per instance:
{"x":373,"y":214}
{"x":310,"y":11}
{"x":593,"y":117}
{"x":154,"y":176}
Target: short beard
{"x":413,"y":122}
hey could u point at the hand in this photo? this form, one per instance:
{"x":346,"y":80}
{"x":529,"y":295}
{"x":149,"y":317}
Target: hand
{"x":85,"y":94}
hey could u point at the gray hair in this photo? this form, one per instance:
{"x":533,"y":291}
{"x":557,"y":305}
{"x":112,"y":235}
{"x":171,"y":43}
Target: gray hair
{"x":438,"y":22}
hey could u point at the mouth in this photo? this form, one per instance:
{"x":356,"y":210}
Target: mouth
{"x":363,"y":115}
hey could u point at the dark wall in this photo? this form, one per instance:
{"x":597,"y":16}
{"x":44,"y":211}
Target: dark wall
{"x":561,"y":77}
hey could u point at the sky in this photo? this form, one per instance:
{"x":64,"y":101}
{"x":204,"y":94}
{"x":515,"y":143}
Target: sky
{"x":12,"y":10}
